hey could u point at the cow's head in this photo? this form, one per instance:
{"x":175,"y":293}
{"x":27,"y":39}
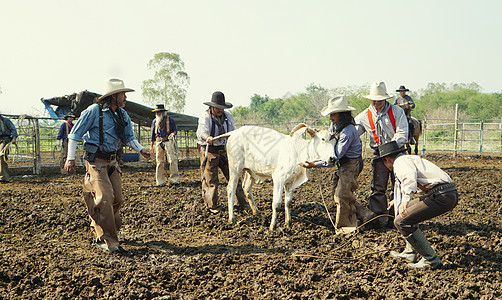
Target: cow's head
{"x":322,"y":147}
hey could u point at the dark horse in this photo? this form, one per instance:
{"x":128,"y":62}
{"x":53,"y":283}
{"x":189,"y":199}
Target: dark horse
{"x":417,"y":132}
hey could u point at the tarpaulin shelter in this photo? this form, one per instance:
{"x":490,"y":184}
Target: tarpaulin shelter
{"x":139,"y":113}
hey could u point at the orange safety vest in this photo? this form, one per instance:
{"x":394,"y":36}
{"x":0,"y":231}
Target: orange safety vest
{"x":372,"y":124}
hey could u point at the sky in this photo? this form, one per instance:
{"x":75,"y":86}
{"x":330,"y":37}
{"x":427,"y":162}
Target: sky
{"x":267,"y":47}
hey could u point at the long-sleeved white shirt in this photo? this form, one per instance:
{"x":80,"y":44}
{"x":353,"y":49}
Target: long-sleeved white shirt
{"x":206,"y":124}
{"x":384,"y":129}
{"x":411,"y":171}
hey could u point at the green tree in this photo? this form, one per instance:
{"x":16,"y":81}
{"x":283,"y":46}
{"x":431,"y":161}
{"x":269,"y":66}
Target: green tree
{"x":170,"y":81}
{"x":257,"y":102}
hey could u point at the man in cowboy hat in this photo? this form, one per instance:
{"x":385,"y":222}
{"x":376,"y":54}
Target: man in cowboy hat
{"x":384,"y":122}
{"x":103,"y":126}
{"x":213,"y":122}
{"x":406,"y":103}
{"x":348,"y":159}
{"x":8,"y":133}
{"x":412,"y":174}
{"x":163,"y":131}
{"x":64,"y":130}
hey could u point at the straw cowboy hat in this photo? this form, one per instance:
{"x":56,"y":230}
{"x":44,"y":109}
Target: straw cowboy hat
{"x":378,"y":91}
{"x":402,"y":88}
{"x":160,"y":107}
{"x":390,"y":148}
{"x":114,"y":86}
{"x":218,"y":101}
{"x":335,"y":105}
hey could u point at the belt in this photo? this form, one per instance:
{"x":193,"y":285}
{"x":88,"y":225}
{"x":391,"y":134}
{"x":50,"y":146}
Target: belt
{"x":346,"y":159}
{"x":107,"y":155}
{"x":440,"y":188}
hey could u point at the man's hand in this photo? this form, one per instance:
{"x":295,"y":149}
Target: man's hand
{"x":311,"y":131}
{"x":403,"y":209}
{"x":307,"y":164}
{"x":146,"y":153}
{"x":390,"y":205}
{"x":152,"y":150}
{"x":69,"y":166}
{"x":171,"y":135}
{"x":210,"y":140}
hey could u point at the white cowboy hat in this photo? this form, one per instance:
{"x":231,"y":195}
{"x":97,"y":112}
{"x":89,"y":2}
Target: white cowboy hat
{"x":378,"y":91}
{"x":336,"y":104}
{"x":114,"y":86}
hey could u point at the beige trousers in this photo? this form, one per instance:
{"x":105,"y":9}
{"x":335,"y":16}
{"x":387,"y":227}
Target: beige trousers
{"x":171,"y":154}
{"x":103,"y":198}
{"x":62,"y":156}
{"x":4,"y":168}
{"x":345,"y":183}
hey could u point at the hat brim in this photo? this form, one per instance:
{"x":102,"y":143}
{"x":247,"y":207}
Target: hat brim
{"x":402,"y":149}
{"x":227,"y":105}
{"x":116,"y":92}
{"x":327,"y":111}
{"x":378,"y":98}
{"x":158,"y":109}
{"x":406,"y":90}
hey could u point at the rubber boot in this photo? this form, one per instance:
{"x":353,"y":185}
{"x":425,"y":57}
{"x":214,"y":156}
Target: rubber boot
{"x":429,"y":257}
{"x":409,"y":254}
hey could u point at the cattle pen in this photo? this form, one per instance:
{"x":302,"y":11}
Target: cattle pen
{"x":38,"y":147}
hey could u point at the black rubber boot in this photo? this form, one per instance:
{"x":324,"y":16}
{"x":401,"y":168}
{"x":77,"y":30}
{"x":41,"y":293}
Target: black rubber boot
{"x":409,"y":254}
{"x":429,"y":257}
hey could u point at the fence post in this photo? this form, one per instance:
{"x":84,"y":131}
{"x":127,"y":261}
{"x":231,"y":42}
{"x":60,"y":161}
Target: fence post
{"x":455,"y":134}
{"x":481,"y":138}
{"x":37,"y":164}
{"x":139,"y":139}
{"x":424,"y":135}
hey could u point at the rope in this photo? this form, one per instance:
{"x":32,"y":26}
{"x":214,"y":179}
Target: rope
{"x":348,"y":240}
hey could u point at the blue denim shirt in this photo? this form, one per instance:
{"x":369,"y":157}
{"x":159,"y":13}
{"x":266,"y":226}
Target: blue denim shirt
{"x":162,"y":132}
{"x":87,"y":127}
{"x":349,"y":145}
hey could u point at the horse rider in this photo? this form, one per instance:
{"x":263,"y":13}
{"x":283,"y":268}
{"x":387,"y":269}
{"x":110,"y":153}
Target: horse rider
{"x":407,"y":104}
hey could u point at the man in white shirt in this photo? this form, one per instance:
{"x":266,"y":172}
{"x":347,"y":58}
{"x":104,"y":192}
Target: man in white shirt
{"x":412,"y":174}
{"x":216,"y":121}
{"x":384,"y":122}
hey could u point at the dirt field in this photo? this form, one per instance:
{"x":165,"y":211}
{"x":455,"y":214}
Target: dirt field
{"x":176,"y":250}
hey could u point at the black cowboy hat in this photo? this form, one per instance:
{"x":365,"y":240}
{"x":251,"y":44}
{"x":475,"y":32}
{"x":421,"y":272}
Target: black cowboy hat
{"x":160,"y":107}
{"x":402,"y":88}
{"x":218,"y":101}
{"x":389,"y":148}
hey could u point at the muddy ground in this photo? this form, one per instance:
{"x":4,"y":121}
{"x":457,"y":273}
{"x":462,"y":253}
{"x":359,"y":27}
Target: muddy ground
{"x":176,"y":250}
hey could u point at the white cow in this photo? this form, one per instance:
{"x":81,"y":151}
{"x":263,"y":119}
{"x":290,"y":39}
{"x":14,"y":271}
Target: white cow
{"x":265,"y":153}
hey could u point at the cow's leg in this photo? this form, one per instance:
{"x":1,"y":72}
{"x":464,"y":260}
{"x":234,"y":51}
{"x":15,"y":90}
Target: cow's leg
{"x":276,"y":202}
{"x":231,"y":187}
{"x":247,"y":185}
{"x":288,"y":196}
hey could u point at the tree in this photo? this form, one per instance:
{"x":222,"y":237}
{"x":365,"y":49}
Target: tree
{"x":170,"y":81}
